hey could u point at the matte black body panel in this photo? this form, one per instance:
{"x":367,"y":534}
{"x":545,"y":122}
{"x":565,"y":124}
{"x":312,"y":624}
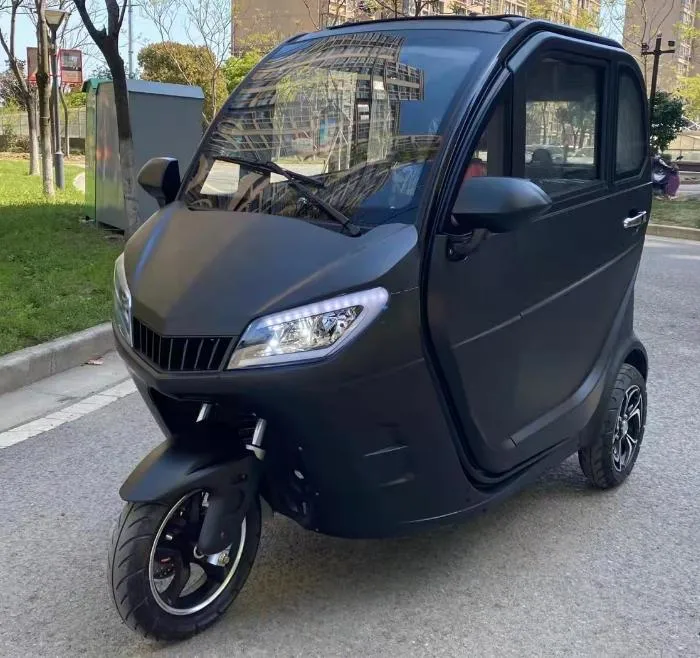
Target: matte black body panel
{"x":211,"y":273}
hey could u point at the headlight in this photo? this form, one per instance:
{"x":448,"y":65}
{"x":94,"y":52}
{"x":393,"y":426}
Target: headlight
{"x":122,"y":300}
{"x":309,"y":332}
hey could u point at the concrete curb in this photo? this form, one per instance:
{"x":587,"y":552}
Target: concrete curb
{"x":666,"y":231}
{"x":31,"y":364}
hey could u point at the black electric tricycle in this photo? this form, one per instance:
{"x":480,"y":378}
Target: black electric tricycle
{"x":394,"y":286}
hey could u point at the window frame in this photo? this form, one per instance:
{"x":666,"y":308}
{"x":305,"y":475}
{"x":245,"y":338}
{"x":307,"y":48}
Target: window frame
{"x":501,"y":93}
{"x":575,"y":53}
{"x":632,"y":174}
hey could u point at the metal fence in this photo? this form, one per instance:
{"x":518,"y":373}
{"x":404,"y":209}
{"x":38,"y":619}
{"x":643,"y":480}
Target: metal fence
{"x":686,"y":144}
{"x":15,"y":123}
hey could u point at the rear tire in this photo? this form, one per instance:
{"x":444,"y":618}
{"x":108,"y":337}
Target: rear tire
{"x":610,"y":457}
{"x":131,"y":572}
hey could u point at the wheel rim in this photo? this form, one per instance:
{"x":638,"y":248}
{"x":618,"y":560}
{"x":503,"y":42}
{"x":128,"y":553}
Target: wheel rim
{"x":182,"y":581}
{"x":628,"y":428}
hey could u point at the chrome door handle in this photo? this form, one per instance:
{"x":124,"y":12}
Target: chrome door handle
{"x":637,"y":220}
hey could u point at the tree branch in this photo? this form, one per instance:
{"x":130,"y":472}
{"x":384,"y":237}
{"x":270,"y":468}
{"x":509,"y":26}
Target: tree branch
{"x":121,"y":15}
{"x":311,"y":18}
{"x":98,"y":36}
{"x":11,"y":54}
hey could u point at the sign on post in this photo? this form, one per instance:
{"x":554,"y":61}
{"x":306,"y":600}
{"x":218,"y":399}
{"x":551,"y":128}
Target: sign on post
{"x":70,"y":64}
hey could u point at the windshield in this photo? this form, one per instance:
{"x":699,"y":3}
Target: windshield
{"x":360,"y":113}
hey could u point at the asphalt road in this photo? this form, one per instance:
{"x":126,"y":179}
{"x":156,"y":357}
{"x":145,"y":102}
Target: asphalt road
{"x":559,"y":570}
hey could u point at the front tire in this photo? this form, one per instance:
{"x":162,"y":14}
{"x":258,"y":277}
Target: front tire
{"x":161,"y":586}
{"x":610,"y":457}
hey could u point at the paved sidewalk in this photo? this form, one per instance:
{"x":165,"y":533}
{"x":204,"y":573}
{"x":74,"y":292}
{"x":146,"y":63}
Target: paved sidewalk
{"x":60,"y":391}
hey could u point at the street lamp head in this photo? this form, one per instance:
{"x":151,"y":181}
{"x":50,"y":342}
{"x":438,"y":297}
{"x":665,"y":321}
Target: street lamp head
{"x":645,"y":47}
{"x":54,"y":18}
{"x":671,"y":44}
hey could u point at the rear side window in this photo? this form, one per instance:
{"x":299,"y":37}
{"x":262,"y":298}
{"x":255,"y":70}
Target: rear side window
{"x":562,"y":112}
{"x":631,"y":132}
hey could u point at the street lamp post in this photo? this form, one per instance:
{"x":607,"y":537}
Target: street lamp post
{"x":656,"y":53}
{"x":54,"y":19}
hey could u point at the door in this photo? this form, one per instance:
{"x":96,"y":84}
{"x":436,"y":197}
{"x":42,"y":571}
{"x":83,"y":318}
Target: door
{"x":519,"y":320}
{"x":577,"y":263}
{"x":473,"y":298}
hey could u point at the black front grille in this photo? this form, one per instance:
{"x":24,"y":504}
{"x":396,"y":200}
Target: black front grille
{"x":180,"y":353}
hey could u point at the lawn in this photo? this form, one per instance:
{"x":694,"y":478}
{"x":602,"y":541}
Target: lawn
{"x":55,"y":273}
{"x":679,"y":212}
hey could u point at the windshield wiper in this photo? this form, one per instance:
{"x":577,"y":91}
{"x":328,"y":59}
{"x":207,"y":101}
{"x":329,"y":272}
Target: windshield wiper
{"x":300,"y":183}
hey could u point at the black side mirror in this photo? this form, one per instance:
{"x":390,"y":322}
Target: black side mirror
{"x":498,"y":204}
{"x":160,"y":177}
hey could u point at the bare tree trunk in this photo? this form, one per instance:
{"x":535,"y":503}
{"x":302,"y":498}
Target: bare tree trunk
{"x":33,"y":136}
{"x":28,"y":95}
{"x":107,"y":40}
{"x":42,"y":81}
{"x":126,"y":145}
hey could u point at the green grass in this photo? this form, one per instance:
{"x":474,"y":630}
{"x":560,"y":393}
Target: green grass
{"x":679,"y":212}
{"x":55,"y":273}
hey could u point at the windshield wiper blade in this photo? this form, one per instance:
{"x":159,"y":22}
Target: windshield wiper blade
{"x":270,"y":167}
{"x":300,"y":183}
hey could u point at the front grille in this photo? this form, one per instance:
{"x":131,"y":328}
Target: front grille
{"x":180,"y":353}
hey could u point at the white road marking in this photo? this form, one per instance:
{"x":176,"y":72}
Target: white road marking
{"x":685,"y":256}
{"x":66,"y":415}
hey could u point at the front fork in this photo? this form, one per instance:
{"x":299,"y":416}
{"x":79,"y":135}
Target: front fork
{"x":229,"y":502}
{"x":203,"y":462}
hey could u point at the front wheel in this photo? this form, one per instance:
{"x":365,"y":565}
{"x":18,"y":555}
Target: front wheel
{"x":162,"y":586}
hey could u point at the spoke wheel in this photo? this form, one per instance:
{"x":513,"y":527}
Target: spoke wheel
{"x":162,"y":586}
{"x":182,"y":580}
{"x":628,"y":428}
{"x":611,"y":454}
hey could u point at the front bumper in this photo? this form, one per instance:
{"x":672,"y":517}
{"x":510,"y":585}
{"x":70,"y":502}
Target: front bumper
{"x":364,"y":429}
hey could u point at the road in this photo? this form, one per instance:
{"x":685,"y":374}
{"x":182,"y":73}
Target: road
{"x":559,"y":570}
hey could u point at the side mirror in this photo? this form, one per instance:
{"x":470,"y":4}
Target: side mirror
{"x":160,"y":177}
{"x":498,"y":204}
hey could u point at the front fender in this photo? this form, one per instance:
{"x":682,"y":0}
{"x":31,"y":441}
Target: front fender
{"x":170,"y":471}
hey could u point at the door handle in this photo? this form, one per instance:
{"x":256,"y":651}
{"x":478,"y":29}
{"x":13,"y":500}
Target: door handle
{"x":636,"y":220}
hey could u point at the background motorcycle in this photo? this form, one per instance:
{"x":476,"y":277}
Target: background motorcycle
{"x":665,"y":176}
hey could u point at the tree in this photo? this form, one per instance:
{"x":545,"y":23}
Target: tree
{"x":403,"y":8}
{"x":207,"y":22}
{"x":236,"y":68}
{"x":106,"y":39}
{"x":102,"y":73}
{"x":667,"y":121}
{"x":638,"y":22}
{"x":689,"y":91}
{"x":43,"y":81}
{"x":19,"y":90}
{"x":76,"y":99}
{"x":11,"y":93}
{"x":185,"y":64}
{"x":341,"y":11}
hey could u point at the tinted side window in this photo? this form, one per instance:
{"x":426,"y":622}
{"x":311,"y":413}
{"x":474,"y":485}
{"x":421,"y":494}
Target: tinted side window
{"x":488,"y":158}
{"x":631,"y":132}
{"x":562,"y":113}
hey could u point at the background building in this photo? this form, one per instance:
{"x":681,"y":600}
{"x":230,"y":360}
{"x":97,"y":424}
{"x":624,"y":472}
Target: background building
{"x":674,"y":20}
{"x":279,"y":19}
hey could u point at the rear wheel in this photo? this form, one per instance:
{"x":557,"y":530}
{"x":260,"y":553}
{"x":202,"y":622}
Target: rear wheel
{"x":610,"y":458}
{"x":163,"y":587}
